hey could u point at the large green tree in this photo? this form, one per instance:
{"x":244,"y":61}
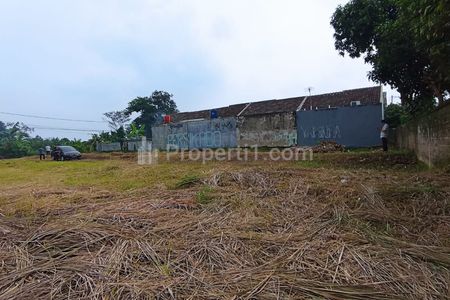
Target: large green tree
{"x":396,"y":115}
{"x":430,"y":23}
{"x":150,"y":108}
{"x":389,"y":35}
{"x":14,"y":140}
{"x":2,"y":127}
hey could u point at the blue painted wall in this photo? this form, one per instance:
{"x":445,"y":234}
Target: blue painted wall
{"x":355,"y":126}
{"x":215,"y":133}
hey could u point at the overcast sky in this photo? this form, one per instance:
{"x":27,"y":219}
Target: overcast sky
{"x":79,"y":59}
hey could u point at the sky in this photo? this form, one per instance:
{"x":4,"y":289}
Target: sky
{"x":78,"y":59}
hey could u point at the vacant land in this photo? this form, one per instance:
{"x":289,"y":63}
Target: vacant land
{"x":359,"y":225}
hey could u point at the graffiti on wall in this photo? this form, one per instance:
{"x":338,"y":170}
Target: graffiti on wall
{"x":290,"y":138}
{"x":271,"y":130}
{"x":178,"y":140}
{"x":214,"y":133}
{"x":321,"y":132}
{"x":351,"y":126}
{"x":269,"y":138}
{"x":206,"y":139}
{"x":203,"y":139}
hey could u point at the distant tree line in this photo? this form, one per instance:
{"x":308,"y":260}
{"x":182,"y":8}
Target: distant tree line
{"x":16,"y":140}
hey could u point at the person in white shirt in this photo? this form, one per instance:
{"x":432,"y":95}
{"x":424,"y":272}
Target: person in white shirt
{"x":48,"y":150}
{"x":384,"y":135}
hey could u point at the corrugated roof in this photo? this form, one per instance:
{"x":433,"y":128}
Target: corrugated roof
{"x":366,"y":96}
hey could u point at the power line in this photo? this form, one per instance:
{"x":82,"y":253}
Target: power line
{"x":50,"y":118}
{"x":65,"y":129}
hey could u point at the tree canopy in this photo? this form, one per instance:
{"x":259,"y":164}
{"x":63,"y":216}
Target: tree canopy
{"x":406,"y":42}
{"x":150,"y":108}
{"x":117,"y":119}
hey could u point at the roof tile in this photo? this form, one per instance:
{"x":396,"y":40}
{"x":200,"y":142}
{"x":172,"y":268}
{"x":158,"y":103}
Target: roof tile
{"x":366,"y":96}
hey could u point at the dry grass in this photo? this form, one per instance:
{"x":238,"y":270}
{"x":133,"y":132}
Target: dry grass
{"x":267,"y":231}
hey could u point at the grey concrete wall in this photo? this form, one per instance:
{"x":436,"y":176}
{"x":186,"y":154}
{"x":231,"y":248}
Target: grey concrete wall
{"x":104,"y":147}
{"x":215,"y":133}
{"x":355,"y":126}
{"x":134,"y":145}
{"x":271,"y":130}
{"x":428,"y":137}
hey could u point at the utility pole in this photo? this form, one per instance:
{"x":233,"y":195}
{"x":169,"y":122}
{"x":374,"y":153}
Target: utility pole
{"x":310,"y":89}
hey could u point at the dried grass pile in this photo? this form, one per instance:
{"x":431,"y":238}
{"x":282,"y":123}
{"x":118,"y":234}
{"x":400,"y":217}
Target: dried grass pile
{"x":267,"y":235}
{"x":327,"y":147}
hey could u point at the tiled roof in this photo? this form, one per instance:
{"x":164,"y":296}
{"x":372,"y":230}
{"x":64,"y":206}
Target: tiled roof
{"x":273,"y":106}
{"x":365,"y":95}
{"x":223,"y":112}
{"x":371,"y":95}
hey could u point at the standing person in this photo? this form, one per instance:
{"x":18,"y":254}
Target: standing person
{"x":384,"y":135}
{"x":48,"y":149}
{"x":57,"y":153}
{"x":41,"y":153}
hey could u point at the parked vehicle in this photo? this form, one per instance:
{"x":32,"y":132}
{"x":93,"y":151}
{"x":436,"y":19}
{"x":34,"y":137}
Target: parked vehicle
{"x":65,"y":153}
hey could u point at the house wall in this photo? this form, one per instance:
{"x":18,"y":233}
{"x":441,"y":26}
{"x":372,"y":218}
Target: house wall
{"x":215,"y":133}
{"x":354,"y":126}
{"x":428,"y":137}
{"x":268,"y":130}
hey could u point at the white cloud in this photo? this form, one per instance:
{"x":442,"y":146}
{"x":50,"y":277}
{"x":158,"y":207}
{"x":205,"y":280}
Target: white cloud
{"x":272,"y":49}
{"x":101,"y":54}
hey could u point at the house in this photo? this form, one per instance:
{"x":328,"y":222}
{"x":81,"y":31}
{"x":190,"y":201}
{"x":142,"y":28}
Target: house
{"x":269,"y":123}
{"x":272,"y":123}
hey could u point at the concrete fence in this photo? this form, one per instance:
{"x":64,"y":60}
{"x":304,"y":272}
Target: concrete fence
{"x":352,"y":126}
{"x":131,"y":145}
{"x":215,"y":133}
{"x":267,"y":130}
{"x":108,"y":147}
{"x":428,"y":137}
{"x":356,"y":126}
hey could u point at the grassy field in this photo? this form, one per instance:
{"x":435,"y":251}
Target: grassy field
{"x":361,"y":225}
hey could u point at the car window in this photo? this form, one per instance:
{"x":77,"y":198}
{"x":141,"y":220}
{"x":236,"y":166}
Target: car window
{"x":67,"y":148}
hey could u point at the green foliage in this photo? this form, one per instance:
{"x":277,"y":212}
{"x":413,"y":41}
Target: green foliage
{"x":430,"y":22}
{"x":187,"y":181}
{"x":15,"y":141}
{"x":135,"y":131}
{"x":406,"y":42}
{"x":204,"y":196}
{"x":150,"y":108}
{"x":112,"y":136}
{"x":396,"y":115}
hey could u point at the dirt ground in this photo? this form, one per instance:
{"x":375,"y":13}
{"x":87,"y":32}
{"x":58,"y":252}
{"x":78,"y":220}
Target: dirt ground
{"x":360,"y":225}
